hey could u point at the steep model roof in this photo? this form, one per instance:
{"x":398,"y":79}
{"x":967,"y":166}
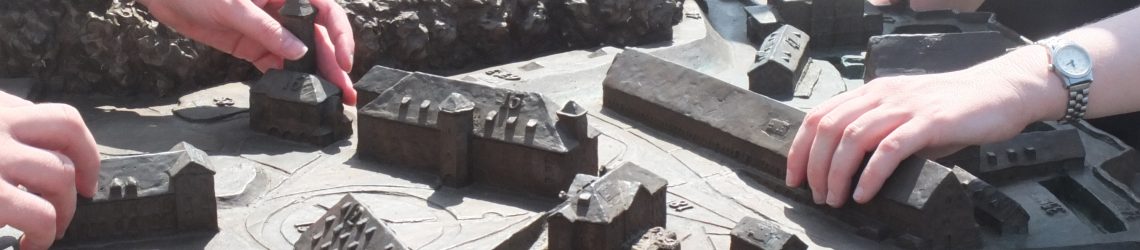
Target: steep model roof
{"x":505,"y":115}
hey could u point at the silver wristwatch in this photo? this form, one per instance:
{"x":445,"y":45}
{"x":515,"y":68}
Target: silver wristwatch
{"x":1073,"y":64}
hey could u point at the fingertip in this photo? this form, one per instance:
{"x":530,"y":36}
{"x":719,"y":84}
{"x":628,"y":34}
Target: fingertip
{"x":834,"y":200}
{"x":294,"y":49}
{"x":790,"y":181}
{"x":860,"y":195}
{"x":350,"y":97}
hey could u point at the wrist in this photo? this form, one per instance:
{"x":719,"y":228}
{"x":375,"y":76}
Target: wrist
{"x":1040,"y":95}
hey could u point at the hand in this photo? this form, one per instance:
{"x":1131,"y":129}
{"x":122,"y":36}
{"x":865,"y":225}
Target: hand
{"x":895,"y":117}
{"x":247,"y":29}
{"x":927,"y":5}
{"x":48,"y":151}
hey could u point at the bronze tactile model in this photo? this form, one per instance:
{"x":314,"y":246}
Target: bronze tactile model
{"x":466,"y":132}
{"x":780,"y":62}
{"x":296,"y":103}
{"x":148,"y":195}
{"x":752,"y":233}
{"x":920,"y":205}
{"x":606,"y":212}
{"x":348,"y":225}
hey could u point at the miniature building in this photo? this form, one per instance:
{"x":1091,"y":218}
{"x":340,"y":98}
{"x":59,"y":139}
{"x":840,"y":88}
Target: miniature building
{"x":823,"y":22}
{"x":148,"y":195}
{"x":1027,"y":154}
{"x":922,"y":203}
{"x":761,"y":22}
{"x":376,"y":81}
{"x":831,"y":23}
{"x":872,"y":26}
{"x":756,"y":234}
{"x":957,"y":40}
{"x":605,"y":212}
{"x":1058,"y":176}
{"x":469,"y":132}
{"x":793,"y":12}
{"x":348,"y":225}
{"x":298,"y":106}
{"x":910,"y":54}
{"x":780,"y":62}
{"x":295,"y":103}
{"x":657,"y":238}
{"x":995,"y":208}
{"x":900,"y":19}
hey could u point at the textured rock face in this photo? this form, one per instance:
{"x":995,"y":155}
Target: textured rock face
{"x":439,"y":36}
{"x":115,"y":46}
{"x":105,"y":46}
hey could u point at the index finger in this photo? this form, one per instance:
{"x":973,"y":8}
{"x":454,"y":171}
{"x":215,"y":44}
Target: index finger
{"x":60,"y":128}
{"x":332,"y":16}
{"x":901,"y":143}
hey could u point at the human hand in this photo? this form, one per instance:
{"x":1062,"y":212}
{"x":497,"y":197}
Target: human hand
{"x":927,"y":5}
{"x":247,"y":29}
{"x":895,"y":117}
{"x":48,"y":151}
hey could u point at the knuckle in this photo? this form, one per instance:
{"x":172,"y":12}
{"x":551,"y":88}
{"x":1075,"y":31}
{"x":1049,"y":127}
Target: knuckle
{"x":67,"y":171}
{"x":890,"y":146}
{"x":66,"y":114}
{"x":854,"y":132}
{"x":812,"y":119}
{"x":828,"y":123}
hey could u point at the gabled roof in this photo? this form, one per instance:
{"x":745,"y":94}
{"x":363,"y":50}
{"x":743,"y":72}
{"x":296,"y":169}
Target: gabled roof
{"x":190,"y":160}
{"x":601,"y":199}
{"x":497,"y":110}
{"x":377,"y":80}
{"x":723,"y":106}
{"x":294,"y":87}
{"x":152,"y":172}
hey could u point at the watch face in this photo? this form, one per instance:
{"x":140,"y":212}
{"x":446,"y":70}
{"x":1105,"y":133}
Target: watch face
{"x":1072,"y":61}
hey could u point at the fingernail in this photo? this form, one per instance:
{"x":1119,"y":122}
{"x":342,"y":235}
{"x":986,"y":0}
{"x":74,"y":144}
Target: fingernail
{"x":832,"y":199}
{"x":858,"y":194}
{"x":818,"y":199}
{"x":295,"y":49}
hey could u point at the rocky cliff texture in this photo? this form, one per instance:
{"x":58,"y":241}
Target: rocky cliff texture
{"x":116,"y":47}
{"x":454,"y":34}
{"x":105,"y":46}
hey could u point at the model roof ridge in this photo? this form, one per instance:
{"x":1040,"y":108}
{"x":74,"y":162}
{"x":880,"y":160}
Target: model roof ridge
{"x":627,"y":178}
{"x":503,"y":109}
{"x":189,"y":155}
{"x":720,"y":91}
{"x":311,"y":92}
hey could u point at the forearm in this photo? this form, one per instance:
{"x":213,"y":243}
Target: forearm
{"x":1115,"y":68}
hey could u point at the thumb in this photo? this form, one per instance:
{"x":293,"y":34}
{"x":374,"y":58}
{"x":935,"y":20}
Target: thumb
{"x":255,"y":23}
